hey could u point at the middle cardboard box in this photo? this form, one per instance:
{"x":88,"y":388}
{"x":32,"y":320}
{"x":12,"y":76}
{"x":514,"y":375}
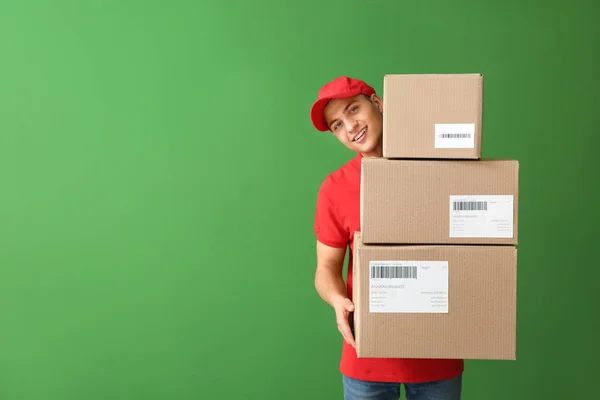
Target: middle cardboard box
{"x":417,"y":201}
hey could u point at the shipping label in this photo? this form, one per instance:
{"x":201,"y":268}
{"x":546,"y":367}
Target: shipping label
{"x":408,"y":286}
{"x":481,"y":216}
{"x":454,"y":136}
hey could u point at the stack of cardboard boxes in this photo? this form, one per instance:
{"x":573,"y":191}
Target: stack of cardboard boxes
{"x":436,"y":260}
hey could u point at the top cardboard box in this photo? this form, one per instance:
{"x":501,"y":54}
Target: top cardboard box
{"x":432,"y":116}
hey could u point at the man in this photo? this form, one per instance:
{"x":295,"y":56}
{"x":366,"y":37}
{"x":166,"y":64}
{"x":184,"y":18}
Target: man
{"x":353,"y":112}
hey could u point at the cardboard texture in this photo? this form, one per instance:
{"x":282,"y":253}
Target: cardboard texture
{"x":435,"y":262}
{"x":439,"y":201}
{"x":432,"y":116}
{"x":480,"y":295}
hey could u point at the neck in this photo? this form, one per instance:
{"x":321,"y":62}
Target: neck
{"x":376,"y":153}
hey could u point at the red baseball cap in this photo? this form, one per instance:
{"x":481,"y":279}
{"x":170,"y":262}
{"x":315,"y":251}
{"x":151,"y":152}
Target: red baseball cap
{"x":340,"y":88}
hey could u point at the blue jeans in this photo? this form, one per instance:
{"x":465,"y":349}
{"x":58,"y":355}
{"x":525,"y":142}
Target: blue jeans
{"x":449,"y":389}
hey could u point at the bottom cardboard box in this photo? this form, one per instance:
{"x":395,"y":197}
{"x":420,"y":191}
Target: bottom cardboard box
{"x":435,"y":301}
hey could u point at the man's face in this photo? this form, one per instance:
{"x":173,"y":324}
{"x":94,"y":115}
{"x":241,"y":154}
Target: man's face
{"x":357,"y":122}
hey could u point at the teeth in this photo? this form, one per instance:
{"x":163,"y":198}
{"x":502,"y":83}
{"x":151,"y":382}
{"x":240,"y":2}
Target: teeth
{"x":360,"y":135}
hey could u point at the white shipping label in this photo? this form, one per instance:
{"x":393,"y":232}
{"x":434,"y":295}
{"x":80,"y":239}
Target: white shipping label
{"x":408,"y":286}
{"x":454,"y":136}
{"x":481,"y":216}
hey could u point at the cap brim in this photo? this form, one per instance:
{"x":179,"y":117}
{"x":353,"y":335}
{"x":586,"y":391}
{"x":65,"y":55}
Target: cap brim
{"x":316,"y":114}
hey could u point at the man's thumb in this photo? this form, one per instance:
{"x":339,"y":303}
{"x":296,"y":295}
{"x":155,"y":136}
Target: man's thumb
{"x":349,"y":306}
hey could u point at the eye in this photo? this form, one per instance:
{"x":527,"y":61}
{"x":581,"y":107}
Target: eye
{"x":353,"y":109}
{"x":336,"y":125}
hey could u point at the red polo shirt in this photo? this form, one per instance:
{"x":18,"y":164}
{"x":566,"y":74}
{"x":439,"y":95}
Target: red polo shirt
{"x":337,"y":218}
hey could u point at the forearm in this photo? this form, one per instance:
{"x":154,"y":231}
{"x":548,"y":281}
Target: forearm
{"x":330,"y":285}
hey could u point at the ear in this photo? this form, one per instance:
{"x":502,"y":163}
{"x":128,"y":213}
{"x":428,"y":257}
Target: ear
{"x":377,"y":101}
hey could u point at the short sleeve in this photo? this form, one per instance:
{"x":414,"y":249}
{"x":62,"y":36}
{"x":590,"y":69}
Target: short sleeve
{"x":327,"y":225}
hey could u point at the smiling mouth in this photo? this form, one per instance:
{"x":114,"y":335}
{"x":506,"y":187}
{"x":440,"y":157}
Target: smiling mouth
{"x":360,"y":134}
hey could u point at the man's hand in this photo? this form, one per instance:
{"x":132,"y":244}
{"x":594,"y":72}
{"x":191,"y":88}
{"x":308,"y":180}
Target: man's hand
{"x":343,"y":309}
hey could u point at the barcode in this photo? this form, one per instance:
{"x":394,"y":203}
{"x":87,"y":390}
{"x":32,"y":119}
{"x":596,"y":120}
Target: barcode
{"x":469,"y":206}
{"x":391,"y":272}
{"x":454,"y":135}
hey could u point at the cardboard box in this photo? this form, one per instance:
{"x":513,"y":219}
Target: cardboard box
{"x":432,"y":116}
{"x":435,"y":301}
{"x":439,"y":201}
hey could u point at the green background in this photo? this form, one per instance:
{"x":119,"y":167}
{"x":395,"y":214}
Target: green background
{"x":159,"y":175}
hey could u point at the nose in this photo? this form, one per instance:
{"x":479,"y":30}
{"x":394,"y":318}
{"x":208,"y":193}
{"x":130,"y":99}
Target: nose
{"x":351,"y":125}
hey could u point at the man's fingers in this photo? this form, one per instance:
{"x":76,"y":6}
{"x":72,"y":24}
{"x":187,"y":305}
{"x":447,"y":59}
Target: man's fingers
{"x":344,"y":329}
{"x":343,"y":311}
